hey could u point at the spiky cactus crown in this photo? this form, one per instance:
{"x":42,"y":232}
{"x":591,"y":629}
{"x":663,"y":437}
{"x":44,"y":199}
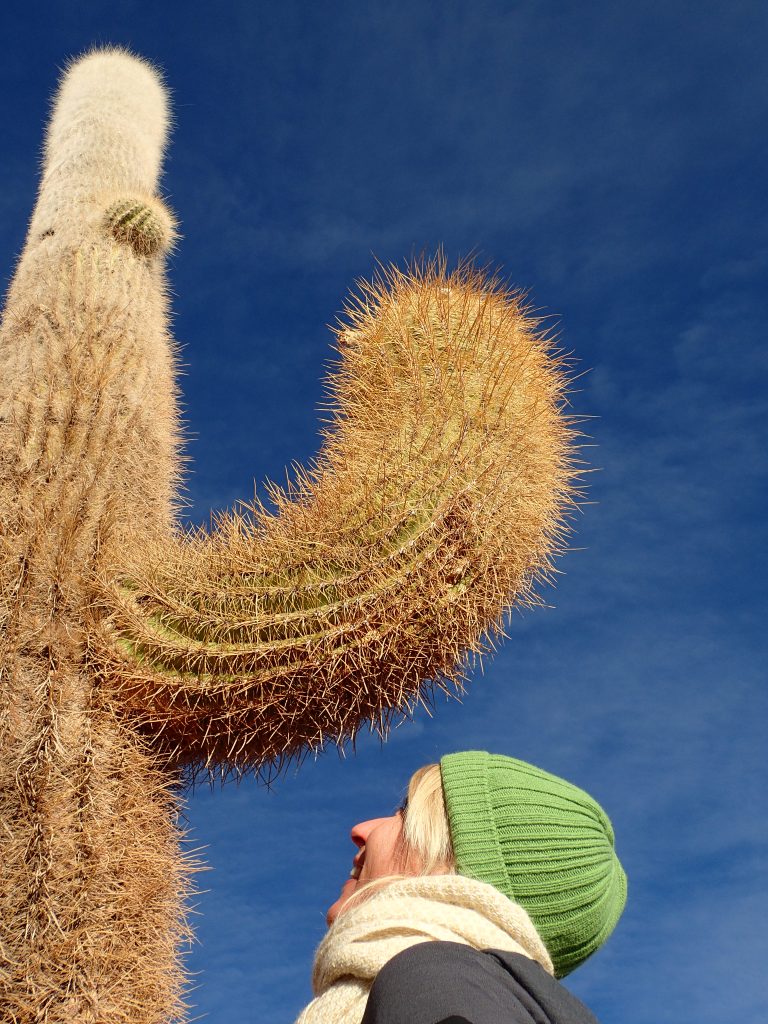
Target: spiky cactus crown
{"x":132,"y":654}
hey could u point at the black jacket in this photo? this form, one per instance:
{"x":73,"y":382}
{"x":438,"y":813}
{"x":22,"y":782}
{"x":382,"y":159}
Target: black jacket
{"x":448,"y":983}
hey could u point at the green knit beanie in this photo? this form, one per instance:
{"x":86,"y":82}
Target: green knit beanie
{"x":543,"y":842}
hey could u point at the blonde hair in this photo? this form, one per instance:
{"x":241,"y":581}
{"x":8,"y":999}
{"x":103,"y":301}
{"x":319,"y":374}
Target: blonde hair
{"x":426,"y":835}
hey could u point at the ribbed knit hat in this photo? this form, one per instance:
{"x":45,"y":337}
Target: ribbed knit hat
{"x":543,"y":842}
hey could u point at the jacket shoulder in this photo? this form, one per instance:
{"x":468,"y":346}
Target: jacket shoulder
{"x":442,"y":982}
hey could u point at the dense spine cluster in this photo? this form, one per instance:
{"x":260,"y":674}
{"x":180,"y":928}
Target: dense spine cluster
{"x":133,"y":654}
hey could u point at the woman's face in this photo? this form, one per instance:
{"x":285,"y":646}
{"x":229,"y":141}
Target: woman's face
{"x":380,"y":853}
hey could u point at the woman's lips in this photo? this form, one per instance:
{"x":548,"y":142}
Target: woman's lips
{"x":357,"y":865}
{"x":347,"y":887}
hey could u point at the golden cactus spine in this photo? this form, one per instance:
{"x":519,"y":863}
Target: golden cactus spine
{"x":131,"y":650}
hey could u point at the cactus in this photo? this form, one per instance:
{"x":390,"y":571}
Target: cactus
{"x":134,"y":654}
{"x":144,"y":224}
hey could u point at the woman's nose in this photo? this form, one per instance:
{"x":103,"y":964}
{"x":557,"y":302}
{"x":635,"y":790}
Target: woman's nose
{"x":362,"y":830}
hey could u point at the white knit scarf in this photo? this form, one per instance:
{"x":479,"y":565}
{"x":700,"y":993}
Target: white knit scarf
{"x":448,"y":908}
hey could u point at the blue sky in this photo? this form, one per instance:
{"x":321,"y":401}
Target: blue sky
{"x":611,"y":158}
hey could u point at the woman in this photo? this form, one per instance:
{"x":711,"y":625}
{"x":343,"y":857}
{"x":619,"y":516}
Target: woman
{"x":510,"y":869}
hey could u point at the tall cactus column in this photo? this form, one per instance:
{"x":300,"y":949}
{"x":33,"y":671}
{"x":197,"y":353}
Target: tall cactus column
{"x":91,"y":882}
{"x":133,"y":655}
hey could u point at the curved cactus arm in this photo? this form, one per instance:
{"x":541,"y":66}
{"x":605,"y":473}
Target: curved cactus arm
{"x":435,"y":504}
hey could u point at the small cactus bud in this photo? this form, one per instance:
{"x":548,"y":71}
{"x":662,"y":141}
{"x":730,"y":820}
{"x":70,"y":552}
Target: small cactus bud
{"x":144,"y":224}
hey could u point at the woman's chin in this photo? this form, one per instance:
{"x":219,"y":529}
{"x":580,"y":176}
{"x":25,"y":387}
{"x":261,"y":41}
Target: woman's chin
{"x":346,"y":891}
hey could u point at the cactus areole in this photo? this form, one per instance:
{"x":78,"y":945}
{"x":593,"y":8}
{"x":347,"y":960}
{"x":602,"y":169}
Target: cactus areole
{"x":134,"y":654}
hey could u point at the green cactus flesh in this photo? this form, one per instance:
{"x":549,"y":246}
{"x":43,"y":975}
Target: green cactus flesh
{"x":145,"y":226}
